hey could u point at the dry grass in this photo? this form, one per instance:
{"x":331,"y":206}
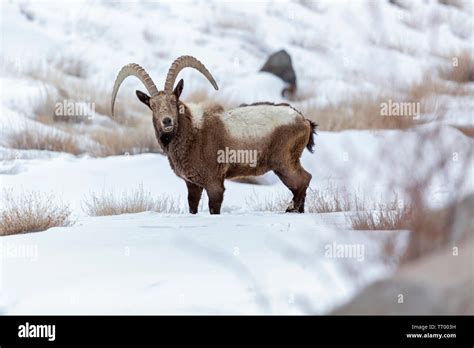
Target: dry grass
{"x":430,"y":164}
{"x":273,"y":203}
{"x":70,"y":65}
{"x":423,"y":91}
{"x":331,"y":199}
{"x":31,"y":212}
{"x":390,"y":216}
{"x":359,"y":113}
{"x":136,"y":201}
{"x":461,"y":68}
{"x":430,"y":228}
{"x":130,"y":131}
{"x":202,"y":97}
{"x":128,"y":110}
{"x":128,"y":142}
{"x":34,"y":139}
{"x":364,"y":111}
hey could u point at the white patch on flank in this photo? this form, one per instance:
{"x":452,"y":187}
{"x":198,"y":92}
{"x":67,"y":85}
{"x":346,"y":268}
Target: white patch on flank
{"x":197,"y":111}
{"x":257,"y":121}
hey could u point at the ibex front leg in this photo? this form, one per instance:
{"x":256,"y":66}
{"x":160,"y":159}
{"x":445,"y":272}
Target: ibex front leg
{"x":194,"y":196}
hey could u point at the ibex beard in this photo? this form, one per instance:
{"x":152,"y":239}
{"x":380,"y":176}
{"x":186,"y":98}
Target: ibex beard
{"x":191,"y":136}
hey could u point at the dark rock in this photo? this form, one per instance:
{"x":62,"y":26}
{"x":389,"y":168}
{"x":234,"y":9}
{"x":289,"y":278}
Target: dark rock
{"x":280,"y":64}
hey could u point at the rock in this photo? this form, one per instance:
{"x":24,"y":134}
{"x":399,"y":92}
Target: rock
{"x":280,"y":64}
{"x":440,"y":283}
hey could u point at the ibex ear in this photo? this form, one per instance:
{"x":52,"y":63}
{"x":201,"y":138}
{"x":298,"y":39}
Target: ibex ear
{"x":179,"y":88}
{"x":143,"y":97}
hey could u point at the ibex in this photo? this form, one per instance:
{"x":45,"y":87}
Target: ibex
{"x":194,"y":137}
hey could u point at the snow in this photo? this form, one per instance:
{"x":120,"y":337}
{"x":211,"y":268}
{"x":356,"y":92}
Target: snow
{"x":153,"y":263}
{"x":243,"y":261}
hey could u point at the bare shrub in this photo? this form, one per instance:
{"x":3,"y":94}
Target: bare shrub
{"x":136,"y":201}
{"x":432,"y":162}
{"x":431,"y":228}
{"x":461,"y":68}
{"x":31,"y":212}
{"x":35,"y":139}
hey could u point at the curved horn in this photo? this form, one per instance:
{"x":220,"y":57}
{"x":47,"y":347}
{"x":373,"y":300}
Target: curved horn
{"x":185,"y":62}
{"x":135,"y":70}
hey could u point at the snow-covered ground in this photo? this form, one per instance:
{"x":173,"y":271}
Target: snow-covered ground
{"x":153,"y":263}
{"x":242,"y":261}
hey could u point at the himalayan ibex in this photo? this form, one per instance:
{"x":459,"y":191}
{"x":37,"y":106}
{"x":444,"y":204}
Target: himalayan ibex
{"x":196,"y":137}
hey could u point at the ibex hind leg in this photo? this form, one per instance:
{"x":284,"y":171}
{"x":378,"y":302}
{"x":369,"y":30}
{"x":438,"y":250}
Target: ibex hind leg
{"x":215,"y":193}
{"x":297,"y":180}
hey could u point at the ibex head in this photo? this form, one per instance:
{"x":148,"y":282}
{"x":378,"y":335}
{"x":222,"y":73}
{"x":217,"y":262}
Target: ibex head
{"x":164,"y":104}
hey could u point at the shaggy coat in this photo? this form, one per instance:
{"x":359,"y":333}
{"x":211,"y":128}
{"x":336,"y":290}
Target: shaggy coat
{"x":259,"y":137}
{"x":277,"y":132}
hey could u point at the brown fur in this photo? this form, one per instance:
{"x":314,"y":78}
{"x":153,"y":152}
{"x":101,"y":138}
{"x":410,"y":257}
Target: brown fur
{"x":193,"y":152}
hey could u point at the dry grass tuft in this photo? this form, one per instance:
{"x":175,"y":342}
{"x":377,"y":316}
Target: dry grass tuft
{"x":70,"y":65}
{"x":359,"y":113}
{"x":329,"y":200}
{"x":51,"y":141}
{"x":275,"y":203}
{"x":131,"y":141}
{"x":137,"y":201}
{"x":31,"y":212}
{"x":390,"y":216}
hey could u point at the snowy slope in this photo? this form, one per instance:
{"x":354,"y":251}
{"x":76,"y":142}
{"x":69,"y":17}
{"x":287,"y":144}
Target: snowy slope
{"x":333,"y":43}
{"x":152,"y":263}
